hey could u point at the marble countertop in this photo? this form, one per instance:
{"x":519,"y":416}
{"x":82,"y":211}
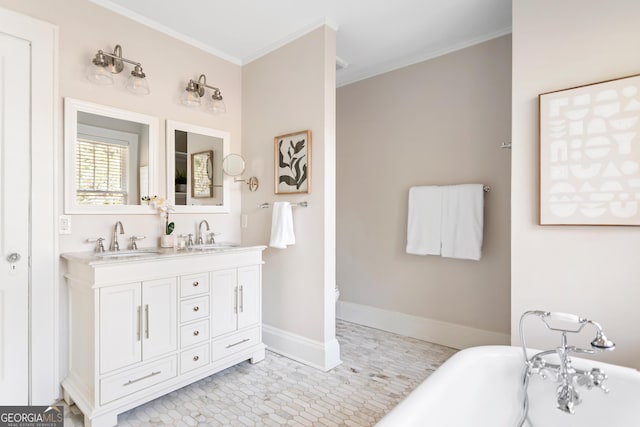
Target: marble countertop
{"x":147,"y":254}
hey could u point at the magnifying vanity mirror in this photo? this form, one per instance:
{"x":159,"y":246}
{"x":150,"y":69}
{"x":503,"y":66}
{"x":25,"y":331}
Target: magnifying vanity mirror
{"x":195,"y":178}
{"x":110,"y":159}
{"x":233,"y":165}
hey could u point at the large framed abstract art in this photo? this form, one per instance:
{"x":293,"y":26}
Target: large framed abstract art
{"x":293,"y":162}
{"x":590,"y":154}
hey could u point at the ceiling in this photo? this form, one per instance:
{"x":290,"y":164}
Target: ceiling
{"x":374,"y":36}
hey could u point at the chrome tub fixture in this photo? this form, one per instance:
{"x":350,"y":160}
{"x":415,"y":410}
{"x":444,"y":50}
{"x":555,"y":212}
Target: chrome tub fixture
{"x":568,"y":377}
{"x":105,"y":64}
{"x":191,"y":97}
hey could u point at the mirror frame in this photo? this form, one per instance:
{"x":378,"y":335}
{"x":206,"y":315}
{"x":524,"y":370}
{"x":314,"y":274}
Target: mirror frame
{"x":227,"y":181}
{"x":71,"y":109}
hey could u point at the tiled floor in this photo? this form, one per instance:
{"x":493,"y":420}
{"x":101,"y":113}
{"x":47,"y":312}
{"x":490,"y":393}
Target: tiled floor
{"x":378,"y":369}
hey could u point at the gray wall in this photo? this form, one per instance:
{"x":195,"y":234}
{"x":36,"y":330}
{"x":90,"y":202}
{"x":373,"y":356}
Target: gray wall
{"x":437,"y":122}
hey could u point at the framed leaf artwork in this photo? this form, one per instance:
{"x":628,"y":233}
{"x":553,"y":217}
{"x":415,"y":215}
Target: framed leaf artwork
{"x":590,"y":154}
{"x":293,"y":163}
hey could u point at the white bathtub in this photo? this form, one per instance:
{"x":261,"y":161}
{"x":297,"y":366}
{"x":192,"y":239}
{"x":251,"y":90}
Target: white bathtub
{"x":481,"y":386}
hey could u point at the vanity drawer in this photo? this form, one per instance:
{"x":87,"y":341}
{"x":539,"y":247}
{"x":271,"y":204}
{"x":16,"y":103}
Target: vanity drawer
{"x":194,"y":358}
{"x":125,"y":383}
{"x":194,"y":308}
{"x":194,"y":284}
{"x":234,"y":343}
{"x":194,"y":333}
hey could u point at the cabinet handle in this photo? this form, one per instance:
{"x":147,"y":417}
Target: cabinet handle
{"x":146,"y":315}
{"x":241,"y":299}
{"x":195,"y":284}
{"x":196,"y":308}
{"x":239,"y":342}
{"x":139,"y":332}
{"x":235,"y":303}
{"x":196,"y":333}
{"x":196,"y":358}
{"x":152,"y":374}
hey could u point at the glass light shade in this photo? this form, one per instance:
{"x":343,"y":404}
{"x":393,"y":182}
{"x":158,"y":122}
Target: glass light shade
{"x":138,"y":85}
{"x":190,"y":98}
{"x":217,"y":106}
{"x":99,"y":75}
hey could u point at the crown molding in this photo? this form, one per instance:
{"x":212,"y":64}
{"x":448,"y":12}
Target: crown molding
{"x":291,"y":37}
{"x":414,"y":59}
{"x":116,"y":8}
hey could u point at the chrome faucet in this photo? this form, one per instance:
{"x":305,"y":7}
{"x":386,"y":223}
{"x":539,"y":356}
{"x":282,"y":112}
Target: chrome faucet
{"x":114,"y":237}
{"x":568,"y":377}
{"x":199,"y":240}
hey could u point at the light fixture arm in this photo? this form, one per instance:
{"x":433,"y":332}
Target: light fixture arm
{"x":201,"y":84}
{"x":116,"y":62}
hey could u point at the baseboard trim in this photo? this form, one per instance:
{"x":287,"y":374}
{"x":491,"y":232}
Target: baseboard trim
{"x":435,"y":331}
{"x":323,"y":356}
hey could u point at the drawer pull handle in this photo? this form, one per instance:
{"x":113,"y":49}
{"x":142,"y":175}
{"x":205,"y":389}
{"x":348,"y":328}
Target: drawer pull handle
{"x":195,"y":284}
{"x":196,"y":333}
{"x":196,"y":308}
{"x":152,"y":374}
{"x":239,"y":342}
{"x":196,"y":358}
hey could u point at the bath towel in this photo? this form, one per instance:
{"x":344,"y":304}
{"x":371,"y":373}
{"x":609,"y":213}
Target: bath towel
{"x":424,"y":220}
{"x":462,"y":221}
{"x":282,"y":226}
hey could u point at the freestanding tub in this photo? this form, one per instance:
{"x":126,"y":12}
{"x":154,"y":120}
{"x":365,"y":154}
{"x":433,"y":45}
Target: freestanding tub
{"x":481,"y":387}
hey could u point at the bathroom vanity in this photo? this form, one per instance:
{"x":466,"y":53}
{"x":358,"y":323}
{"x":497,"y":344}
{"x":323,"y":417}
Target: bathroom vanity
{"x":144,"y":324}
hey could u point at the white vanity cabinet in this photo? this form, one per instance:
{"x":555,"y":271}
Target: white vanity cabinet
{"x":140,"y":327}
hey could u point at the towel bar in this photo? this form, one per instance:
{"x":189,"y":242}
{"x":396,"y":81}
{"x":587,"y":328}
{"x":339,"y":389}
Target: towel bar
{"x":267,"y":205}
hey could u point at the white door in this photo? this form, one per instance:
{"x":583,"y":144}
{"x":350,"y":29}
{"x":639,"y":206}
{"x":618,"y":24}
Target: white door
{"x":15,"y":173}
{"x":120,"y":326}
{"x":224,"y":302}
{"x":160,"y":335}
{"x":249,"y":296}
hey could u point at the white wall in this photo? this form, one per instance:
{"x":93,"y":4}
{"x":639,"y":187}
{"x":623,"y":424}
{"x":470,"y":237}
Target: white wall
{"x":437,"y":122}
{"x":293,"y":89}
{"x":590,"y":271}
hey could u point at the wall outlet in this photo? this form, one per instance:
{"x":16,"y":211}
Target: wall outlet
{"x":244,"y":220}
{"x":64,"y":224}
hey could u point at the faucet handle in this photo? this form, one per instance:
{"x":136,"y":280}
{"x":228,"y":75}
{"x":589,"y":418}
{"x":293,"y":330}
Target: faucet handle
{"x":190,"y":241}
{"x":134,"y":239}
{"x":98,"y":241}
{"x":212,"y":235}
{"x":598,"y":377}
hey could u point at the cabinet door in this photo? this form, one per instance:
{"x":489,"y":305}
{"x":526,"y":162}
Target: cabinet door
{"x":160,"y":317}
{"x":224,"y":302}
{"x":248,"y":296}
{"x":120,"y":324}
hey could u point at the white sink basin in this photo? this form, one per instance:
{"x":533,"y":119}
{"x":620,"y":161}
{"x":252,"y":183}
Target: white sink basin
{"x":128,"y":254}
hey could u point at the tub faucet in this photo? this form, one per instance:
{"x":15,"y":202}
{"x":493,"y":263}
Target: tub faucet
{"x":568,"y":377}
{"x":200,"y":240}
{"x":114,"y":237}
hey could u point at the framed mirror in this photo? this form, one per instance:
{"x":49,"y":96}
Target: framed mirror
{"x":195,"y":179}
{"x":111,"y":161}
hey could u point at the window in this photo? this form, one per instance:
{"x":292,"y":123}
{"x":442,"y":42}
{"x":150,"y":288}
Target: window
{"x":102,"y":172}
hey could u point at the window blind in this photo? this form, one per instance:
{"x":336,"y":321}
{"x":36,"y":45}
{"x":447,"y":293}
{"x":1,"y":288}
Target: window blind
{"x":102,"y":170}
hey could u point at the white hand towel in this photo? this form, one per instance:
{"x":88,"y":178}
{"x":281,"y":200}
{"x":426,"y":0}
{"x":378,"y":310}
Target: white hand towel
{"x":282,"y":226}
{"x":462,"y":221}
{"x":423,"y":224}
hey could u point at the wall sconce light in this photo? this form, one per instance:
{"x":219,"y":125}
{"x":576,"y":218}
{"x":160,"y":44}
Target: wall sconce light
{"x":195,"y":91}
{"x":105,"y":64}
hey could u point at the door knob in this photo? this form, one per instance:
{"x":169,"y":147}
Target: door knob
{"x":13,"y":257}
